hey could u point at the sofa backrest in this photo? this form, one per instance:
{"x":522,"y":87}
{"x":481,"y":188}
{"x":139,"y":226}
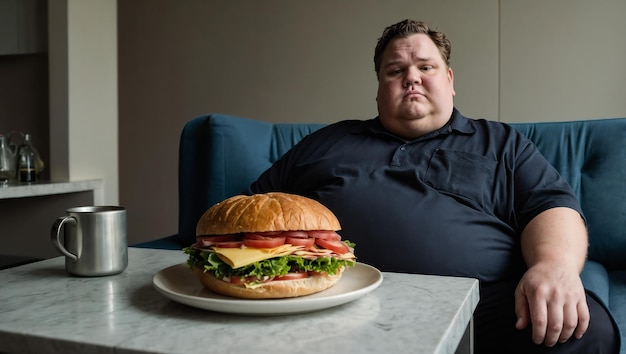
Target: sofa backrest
{"x":221,"y":155}
{"x":591,"y":155}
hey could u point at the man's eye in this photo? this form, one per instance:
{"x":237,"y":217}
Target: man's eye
{"x":427,"y":67}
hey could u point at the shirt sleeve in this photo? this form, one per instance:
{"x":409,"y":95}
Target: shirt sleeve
{"x":538,"y":186}
{"x":285,"y":175}
{"x":279,"y":177}
{"x":271,"y":180}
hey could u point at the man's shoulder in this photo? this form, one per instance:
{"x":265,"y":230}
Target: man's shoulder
{"x":346,"y":126}
{"x":484,"y":126}
{"x":353,"y":123}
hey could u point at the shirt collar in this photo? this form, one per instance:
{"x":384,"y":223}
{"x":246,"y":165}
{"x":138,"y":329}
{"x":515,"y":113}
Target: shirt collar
{"x":457,"y":123}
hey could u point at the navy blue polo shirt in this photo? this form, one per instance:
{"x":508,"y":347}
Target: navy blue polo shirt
{"x":453,"y":202}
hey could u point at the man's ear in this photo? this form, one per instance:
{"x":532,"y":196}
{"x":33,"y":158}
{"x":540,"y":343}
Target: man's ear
{"x":451,"y":79}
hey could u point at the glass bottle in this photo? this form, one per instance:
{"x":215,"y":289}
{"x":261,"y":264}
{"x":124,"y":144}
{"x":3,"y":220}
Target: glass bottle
{"x":39,"y":165}
{"x":7,"y":162}
{"x":27,"y":160}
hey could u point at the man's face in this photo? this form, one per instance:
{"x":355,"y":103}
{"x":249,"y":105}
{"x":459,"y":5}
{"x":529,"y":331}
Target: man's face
{"x":415,"y":87}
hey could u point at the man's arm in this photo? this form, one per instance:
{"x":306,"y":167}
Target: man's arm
{"x":550,"y":295}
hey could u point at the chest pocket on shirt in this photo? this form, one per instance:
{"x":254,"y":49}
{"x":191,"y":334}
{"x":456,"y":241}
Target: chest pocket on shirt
{"x":467,"y":177}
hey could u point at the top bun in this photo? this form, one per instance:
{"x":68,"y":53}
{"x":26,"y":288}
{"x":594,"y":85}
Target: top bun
{"x":272,"y":211}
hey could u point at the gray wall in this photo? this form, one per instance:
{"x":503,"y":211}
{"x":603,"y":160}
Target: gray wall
{"x":311,"y":61}
{"x":66,"y":96}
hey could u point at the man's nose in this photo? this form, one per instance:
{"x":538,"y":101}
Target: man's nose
{"x":413,"y":77}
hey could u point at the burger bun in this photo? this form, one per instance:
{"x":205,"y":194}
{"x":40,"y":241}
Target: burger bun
{"x":274,"y":211}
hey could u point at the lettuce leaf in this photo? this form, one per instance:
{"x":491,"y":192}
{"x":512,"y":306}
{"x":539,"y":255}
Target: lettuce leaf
{"x":210,"y":262}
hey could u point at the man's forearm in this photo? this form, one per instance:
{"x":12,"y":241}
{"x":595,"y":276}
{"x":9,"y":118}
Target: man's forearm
{"x":557,"y":236}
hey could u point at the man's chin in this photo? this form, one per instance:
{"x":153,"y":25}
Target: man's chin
{"x":415,"y":112}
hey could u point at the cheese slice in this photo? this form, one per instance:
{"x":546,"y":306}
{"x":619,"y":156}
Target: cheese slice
{"x":239,"y":257}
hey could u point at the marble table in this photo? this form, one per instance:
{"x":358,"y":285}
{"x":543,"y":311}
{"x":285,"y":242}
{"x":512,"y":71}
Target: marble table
{"x":44,"y":310}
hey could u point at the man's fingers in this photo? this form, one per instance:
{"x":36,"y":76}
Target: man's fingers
{"x":554,"y":326}
{"x":536,"y":313}
{"x":555,"y":314}
{"x":570,"y":322}
{"x":554,"y":323}
{"x":583,"y":319}
{"x":539,"y":315}
{"x":521,"y":310}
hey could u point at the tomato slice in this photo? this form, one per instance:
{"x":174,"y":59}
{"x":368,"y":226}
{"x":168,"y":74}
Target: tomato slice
{"x":293,"y":276}
{"x":261,"y":235}
{"x":299,"y":241}
{"x":294,"y":234}
{"x":333,"y":245}
{"x":207,"y":241}
{"x":259,"y":240}
{"x":228,"y":244}
{"x":325,"y":235}
{"x":236,"y":279}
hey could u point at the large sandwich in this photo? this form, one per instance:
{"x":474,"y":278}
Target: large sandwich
{"x":273,"y":245}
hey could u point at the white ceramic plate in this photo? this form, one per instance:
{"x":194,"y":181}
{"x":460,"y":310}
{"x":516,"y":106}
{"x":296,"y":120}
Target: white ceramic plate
{"x":179,"y":284}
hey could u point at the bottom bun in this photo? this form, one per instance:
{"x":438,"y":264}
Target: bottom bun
{"x":270,"y":290}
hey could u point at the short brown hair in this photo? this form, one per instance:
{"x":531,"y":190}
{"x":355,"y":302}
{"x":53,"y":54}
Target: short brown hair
{"x":406,"y":28}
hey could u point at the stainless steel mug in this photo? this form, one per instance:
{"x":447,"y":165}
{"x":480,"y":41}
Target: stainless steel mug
{"x":94,"y":241}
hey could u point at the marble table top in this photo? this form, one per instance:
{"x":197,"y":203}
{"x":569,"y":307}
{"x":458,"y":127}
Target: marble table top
{"x":44,"y":310}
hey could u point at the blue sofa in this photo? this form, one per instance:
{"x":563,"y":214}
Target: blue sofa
{"x":221,"y":155}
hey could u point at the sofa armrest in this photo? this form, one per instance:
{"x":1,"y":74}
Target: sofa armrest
{"x":596,"y":280}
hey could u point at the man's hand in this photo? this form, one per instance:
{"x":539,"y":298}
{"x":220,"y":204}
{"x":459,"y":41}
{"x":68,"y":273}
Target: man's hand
{"x":550,"y":296}
{"x":553,"y":301}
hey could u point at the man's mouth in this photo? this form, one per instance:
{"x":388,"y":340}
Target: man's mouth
{"x":413,"y":94}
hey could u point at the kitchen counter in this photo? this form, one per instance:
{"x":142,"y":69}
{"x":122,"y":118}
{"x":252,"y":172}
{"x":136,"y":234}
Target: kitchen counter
{"x":43,"y":188}
{"x":44,"y":310}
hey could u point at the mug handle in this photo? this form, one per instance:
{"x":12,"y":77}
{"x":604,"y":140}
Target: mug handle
{"x":55,"y":235}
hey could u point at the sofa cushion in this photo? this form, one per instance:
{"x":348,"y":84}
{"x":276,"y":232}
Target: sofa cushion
{"x":596,"y":279}
{"x":617,"y":301}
